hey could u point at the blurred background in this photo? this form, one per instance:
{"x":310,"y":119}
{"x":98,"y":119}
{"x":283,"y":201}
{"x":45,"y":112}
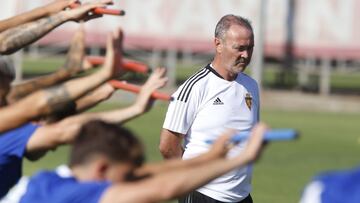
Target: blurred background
{"x":306,"y":59}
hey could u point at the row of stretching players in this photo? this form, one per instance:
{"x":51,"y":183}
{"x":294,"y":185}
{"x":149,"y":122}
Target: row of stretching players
{"x":107,"y":161}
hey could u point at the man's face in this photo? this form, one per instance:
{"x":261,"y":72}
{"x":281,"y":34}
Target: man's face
{"x":236,"y":48}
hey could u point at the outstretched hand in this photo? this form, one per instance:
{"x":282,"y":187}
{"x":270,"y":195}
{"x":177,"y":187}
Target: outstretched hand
{"x":118,"y":51}
{"x":222,"y":145}
{"x":76,"y":53}
{"x":57,"y":6}
{"x":83,"y":12}
{"x":255,"y":144}
{"x":113,"y":54}
{"x":156,"y":80}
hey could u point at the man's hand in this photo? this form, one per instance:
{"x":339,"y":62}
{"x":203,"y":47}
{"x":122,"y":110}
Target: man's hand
{"x":57,"y":6}
{"x":222,"y":145}
{"x":83,"y":12}
{"x":255,"y":144}
{"x":76,"y":53}
{"x":113,"y":40}
{"x":156,"y":80}
{"x":118,"y":51}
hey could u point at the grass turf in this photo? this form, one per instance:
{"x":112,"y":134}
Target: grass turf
{"x":328,"y":141}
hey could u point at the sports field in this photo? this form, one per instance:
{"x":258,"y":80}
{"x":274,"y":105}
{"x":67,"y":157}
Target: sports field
{"x":328,"y":141}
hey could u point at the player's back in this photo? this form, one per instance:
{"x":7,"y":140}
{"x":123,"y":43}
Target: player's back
{"x":48,"y":186}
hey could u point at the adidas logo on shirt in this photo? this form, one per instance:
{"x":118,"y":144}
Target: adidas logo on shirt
{"x":218,"y":102}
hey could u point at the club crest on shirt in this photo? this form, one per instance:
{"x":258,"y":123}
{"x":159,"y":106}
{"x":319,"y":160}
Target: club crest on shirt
{"x":248,"y":100}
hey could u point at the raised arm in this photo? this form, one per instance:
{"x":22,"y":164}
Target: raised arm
{"x":143,"y":102}
{"x":45,"y":102}
{"x":15,"y":38}
{"x":93,"y":98}
{"x":35,"y":14}
{"x":50,"y":136}
{"x":72,"y":66}
{"x":176,"y":183}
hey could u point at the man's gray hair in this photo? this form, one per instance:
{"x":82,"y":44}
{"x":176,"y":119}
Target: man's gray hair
{"x":6,"y":68}
{"x":226,"y":21}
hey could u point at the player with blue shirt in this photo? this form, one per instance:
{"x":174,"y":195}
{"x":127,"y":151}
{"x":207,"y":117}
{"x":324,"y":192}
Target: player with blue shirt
{"x":48,"y":101}
{"x":106,"y":163}
{"x":33,"y":141}
{"x":12,"y":150}
{"x":334,"y":187}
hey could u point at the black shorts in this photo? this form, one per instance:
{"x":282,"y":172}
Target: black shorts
{"x":197,"y":197}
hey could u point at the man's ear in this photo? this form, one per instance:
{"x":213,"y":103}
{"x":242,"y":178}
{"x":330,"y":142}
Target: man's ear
{"x":102,"y":166}
{"x":218,"y":45}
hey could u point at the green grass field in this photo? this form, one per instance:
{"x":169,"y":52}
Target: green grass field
{"x":328,"y":141}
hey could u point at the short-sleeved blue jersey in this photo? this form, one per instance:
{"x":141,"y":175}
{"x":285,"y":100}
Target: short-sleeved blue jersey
{"x":48,"y":186}
{"x":12,"y":149}
{"x":334,"y":187}
{"x":341,"y":186}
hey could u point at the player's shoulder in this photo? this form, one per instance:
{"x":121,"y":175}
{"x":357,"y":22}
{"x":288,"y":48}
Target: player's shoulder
{"x":248,"y":82}
{"x":347,"y":177}
{"x":23,"y":128}
{"x":334,"y":182}
{"x":45,"y":176}
{"x":14,"y":141}
{"x":198,"y":78}
{"x":196,"y":82}
{"x":247,"y":78}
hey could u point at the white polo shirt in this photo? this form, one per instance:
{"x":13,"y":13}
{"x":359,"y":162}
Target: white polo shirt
{"x":202,"y":109}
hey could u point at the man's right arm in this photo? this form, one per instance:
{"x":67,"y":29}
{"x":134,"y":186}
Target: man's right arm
{"x":171,"y":144}
{"x":179,"y":118}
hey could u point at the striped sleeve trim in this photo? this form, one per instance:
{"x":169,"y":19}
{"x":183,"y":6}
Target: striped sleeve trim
{"x":185,"y":91}
{"x":189,"y":81}
{"x":191,"y":86}
{"x":175,"y":124}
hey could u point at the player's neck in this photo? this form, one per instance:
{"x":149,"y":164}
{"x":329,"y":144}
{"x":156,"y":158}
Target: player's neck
{"x":221,"y":70}
{"x":82,"y":173}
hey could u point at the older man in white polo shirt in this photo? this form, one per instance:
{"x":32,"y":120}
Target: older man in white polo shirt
{"x":218,"y":97}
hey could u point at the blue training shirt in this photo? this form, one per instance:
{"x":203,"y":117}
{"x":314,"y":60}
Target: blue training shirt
{"x":341,"y":186}
{"x":48,"y":186}
{"x":334,"y":187}
{"x":12,"y":150}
